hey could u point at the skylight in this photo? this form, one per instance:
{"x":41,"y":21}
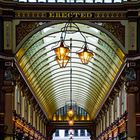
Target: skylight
{"x":73,"y":1}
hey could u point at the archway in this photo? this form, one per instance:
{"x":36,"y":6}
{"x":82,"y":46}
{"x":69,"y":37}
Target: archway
{"x":50,"y":84}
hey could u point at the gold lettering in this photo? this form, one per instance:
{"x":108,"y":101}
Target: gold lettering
{"x":57,"y":15}
{"x":77,"y":15}
{"x":51,"y":15}
{"x":70,"y":14}
{"x":89,"y":15}
{"x":64,"y":15}
{"x":83,"y":15}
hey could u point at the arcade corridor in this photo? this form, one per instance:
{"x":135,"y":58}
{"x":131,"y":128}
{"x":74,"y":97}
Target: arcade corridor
{"x":69,"y":69}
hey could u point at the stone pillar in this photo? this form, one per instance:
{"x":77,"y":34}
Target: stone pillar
{"x":2,"y":99}
{"x":92,"y":131}
{"x":131,"y":89}
{"x":2,"y":127}
{"x":8,"y":99}
{"x":92,"y":138}
{"x":1,"y":35}
{"x":49,"y":130}
{"x":8,"y":120}
{"x":49,"y":138}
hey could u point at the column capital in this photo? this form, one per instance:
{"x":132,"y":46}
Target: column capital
{"x":8,"y":89}
{"x":132,"y":87}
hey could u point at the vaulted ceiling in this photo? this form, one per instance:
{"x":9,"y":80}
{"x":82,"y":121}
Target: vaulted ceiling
{"x":51,"y":84}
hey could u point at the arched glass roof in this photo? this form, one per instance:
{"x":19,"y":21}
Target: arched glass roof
{"x":51,"y":84}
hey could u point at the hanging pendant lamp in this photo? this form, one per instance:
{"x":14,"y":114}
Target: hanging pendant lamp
{"x":61,"y":51}
{"x":71,"y":122}
{"x":62,"y":62}
{"x":85,"y":55}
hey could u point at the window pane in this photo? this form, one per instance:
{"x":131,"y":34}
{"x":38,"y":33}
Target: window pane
{"x":117,"y":0}
{"x":22,"y":0}
{"x":57,"y":133}
{"x":89,"y":1}
{"x":70,"y":1}
{"x":41,"y":0}
{"x":51,"y":0}
{"x":79,"y":1}
{"x":61,"y":1}
{"x":88,"y":134}
{"x":66,"y":133}
{"x":32,"y":0}
{"x":75,"y":133}
{"x":107,"y":1}
{"x":98,"y":1}
{"x":82,"y":132}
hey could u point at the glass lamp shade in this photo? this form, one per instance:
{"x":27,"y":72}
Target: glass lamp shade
{"x":85,"y":55}
{"x":61,"y":51}
{"x":63,"y":62}
{"x":71,"y":122}
{"x":70,"y":112}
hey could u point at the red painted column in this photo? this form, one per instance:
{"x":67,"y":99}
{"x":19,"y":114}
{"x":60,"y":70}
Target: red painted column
{"x":131,"y":89}
{"x":2,"y":99}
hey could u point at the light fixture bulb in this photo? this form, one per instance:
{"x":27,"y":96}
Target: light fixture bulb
{"x":61,"y":51}
{"x":70,"y":112}
{"x":85,"y":55}
{"x":63,"y":62}
{"x":71,"y":122}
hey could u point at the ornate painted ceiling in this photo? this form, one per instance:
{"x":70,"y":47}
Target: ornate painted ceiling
{"x":51,"y":84}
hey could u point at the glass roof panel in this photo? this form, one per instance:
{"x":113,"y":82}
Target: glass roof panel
{"x":74,"y":1}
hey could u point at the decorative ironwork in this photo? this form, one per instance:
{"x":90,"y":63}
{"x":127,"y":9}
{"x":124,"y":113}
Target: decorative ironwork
{"x":24,"y":28}
{"x":117,"y":29}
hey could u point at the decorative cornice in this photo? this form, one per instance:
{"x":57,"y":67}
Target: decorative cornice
{"x":132,"y":87}
{"x":100,"y":11}
{"x":76,"y":14}
{"x":6,"y":57}
{"x":8,"y":89}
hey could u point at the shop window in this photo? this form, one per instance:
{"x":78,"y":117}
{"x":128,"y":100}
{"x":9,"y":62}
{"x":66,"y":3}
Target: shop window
{"x":57,"y":133}
{"x":76,"y":133}
{"x":66,"y":133}
{"x":82,"y":132}
{"x":88,"y":134}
